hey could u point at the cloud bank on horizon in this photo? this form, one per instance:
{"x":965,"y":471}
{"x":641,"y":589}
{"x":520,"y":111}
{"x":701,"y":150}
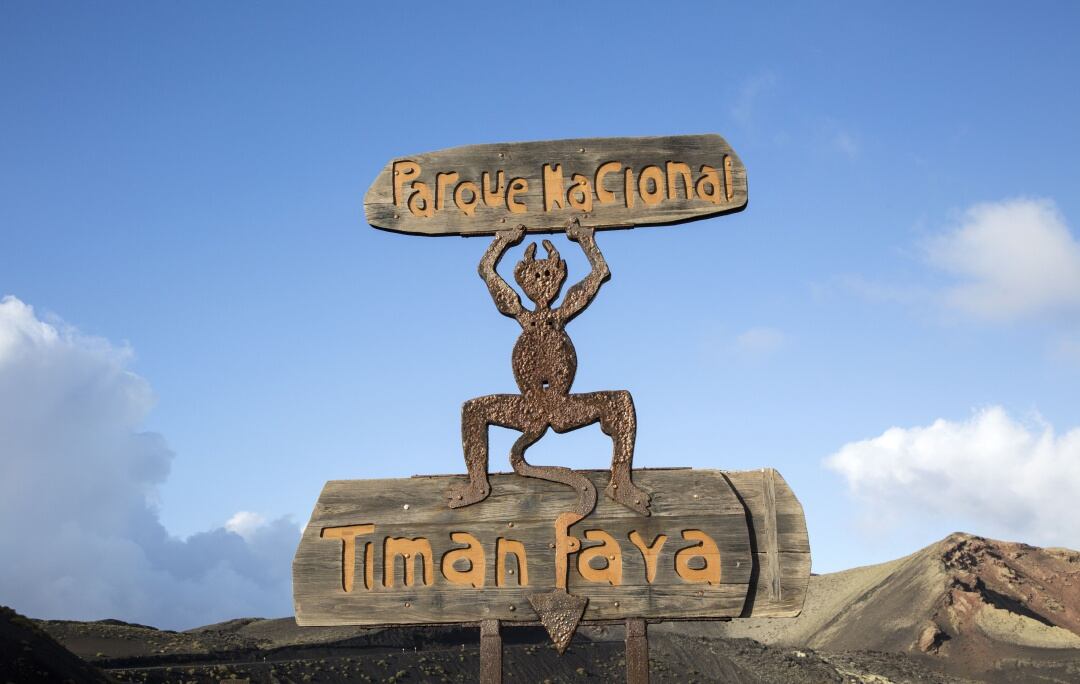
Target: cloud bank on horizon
{"x":1006,"y":478}
{"x":79,"y":528}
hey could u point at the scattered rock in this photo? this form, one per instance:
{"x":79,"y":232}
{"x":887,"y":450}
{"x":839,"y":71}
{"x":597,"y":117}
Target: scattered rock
{"x":931,"y":638}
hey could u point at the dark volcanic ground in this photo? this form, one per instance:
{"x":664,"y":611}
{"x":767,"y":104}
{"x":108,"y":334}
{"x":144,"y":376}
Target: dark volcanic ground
{"x":964,"y":609}
{"x":279,"y":651}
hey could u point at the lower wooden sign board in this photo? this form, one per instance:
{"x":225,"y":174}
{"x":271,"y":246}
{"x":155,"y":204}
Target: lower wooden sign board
{"x":390,"y":552}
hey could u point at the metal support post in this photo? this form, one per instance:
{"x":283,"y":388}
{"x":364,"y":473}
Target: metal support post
{"x":490,"y":652}
{"x":637,"y":652}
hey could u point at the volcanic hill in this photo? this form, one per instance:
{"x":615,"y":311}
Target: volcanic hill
{"x":975,"y":607}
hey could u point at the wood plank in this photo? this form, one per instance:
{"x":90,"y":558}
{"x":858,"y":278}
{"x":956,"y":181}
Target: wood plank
{"x":793,"y":544}
{"x":480,"y":189}
{"x":794,"y":579}
{"x":772,"y":552}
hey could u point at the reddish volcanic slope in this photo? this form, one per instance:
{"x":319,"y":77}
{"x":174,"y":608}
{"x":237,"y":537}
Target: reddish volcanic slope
{"x":984,"y":608}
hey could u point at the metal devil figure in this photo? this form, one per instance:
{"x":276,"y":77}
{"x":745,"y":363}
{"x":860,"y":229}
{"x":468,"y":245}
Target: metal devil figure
{"x":544,"y":364}
{"x":539,"y":545}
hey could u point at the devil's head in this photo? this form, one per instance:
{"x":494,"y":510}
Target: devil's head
{"x":541,"y":279}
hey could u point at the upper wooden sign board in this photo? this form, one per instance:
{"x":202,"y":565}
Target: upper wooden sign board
{"x":603,"y":182}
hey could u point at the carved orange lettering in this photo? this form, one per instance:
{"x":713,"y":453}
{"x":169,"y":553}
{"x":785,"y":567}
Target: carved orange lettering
{"x":553,"y":186}
{"x":347,"y":534}
{"x":493,"y":198}
{"x":369,"y":565}
{"x":651,"y":176}
{"x":705,"y":549}
{"x":676,"y":170}
{"x":404,"y":172}
{"x":608,"y":552}
{"x":422,"y":194}
{"x":503,"y":548}
{"x":729,"y":179}
{"x":650,"y":553}
{"x":473,"y":554}
{"x":442,"y":180}
{"x":468,"y":207}
{"x":565,"y":544}
{"x":603,"y":195}
{"x":708,"y":186}
{"x":580,"y":193}
{"x":408,"y":549}
{"x":518,"y":186}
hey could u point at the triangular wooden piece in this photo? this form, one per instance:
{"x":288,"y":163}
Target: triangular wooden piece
{"x":560,"y":612}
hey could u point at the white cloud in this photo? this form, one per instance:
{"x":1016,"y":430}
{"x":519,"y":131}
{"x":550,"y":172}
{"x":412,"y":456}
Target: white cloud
{"x":877,"y":291}
{"x":1012,"y":259}
{"x":847,"y":144}
{"x":1010,"y":479}
{"x":760,"y":341}
{"x":750,"y":94}
{"x":246,"y":524}
{"x":79,"y":535}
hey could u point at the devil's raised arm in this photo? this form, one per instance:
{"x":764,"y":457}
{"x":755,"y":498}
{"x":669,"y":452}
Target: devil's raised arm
{"x":506,"y":298}
{"x":579,"y":296}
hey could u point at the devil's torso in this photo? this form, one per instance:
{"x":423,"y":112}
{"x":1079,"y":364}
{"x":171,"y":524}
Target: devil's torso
{"x":544,"y":359}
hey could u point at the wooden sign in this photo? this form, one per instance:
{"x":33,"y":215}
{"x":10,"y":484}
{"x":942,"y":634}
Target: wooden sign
{"x":604,"y":182}
{"x":390,"y":552}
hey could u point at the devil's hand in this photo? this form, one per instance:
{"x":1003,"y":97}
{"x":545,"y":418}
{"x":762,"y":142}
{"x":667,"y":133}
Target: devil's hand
{"x":511,"y":236}
{"x":576,"y":232}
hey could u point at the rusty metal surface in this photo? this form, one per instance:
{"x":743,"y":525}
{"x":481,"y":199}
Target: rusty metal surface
{"x":560,"y":613}
{"x":490,"y":652}
{"x":637,"y":652}
{"x":544,"y":363}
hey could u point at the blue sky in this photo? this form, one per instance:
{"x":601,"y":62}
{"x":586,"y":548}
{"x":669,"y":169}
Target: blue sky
{"x":182,"y":184}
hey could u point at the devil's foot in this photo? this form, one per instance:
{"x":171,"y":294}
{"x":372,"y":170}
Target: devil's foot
{"x":630,"y":495}
{"x":465,"y":495}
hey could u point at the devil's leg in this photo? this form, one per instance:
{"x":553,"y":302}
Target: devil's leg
{"x":615,"y":411}
{"x":476,"y":415}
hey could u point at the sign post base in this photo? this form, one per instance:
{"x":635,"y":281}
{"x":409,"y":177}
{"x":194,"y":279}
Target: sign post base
{"x":490,"y":652}
{"x":637,"y":651}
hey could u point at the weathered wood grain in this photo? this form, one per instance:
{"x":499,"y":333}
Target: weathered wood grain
{"x":433,"y":193}
{"x":792,"y":546}
{"x":772,"y":547}
{"x":523,"y":509}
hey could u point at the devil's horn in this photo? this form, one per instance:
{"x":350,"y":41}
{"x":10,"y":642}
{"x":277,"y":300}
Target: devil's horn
{"x":552,"y":252}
